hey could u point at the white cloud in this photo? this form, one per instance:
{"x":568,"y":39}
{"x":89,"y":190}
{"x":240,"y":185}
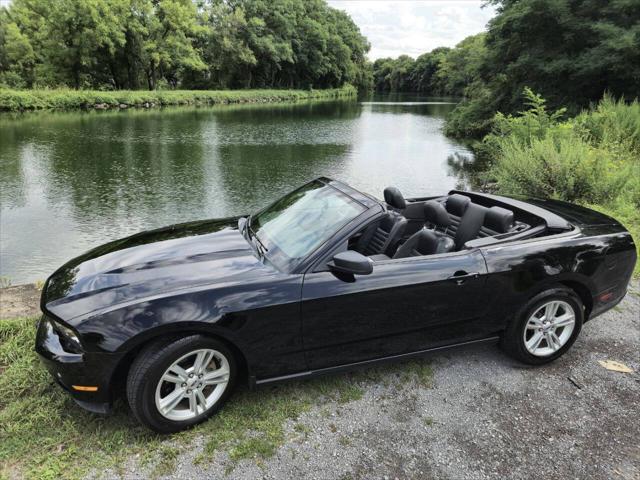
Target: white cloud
{"x":415,"y":27}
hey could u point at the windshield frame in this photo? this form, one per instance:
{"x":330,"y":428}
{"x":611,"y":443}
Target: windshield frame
{"x":296,"y":266}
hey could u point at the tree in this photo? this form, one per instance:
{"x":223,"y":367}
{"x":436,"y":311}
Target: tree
{"x":570,"y":51}
{"x":207,"y":44}
{"x":17,"y":59}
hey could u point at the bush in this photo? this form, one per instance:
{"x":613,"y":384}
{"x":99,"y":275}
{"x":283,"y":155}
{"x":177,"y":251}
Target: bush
{"x":568,"y":169}
{"x":592,"y":159}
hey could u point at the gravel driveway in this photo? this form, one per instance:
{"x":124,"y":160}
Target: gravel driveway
{"x":481,"y":416}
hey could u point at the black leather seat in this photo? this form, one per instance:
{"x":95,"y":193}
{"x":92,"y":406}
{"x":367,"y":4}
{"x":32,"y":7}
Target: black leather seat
{"x":382,"y":236}
{"x":436,"y":216}
{"x":380,"y":239}
{"x":456,"y":206}
{"x":425,"y":242}
{"x":394,"y":198}
{"x":496,"y":221}
{"x":470,"y":224}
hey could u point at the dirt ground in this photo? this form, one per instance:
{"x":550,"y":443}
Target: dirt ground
{"x":19,"y":301}
{"x":483,"y":416}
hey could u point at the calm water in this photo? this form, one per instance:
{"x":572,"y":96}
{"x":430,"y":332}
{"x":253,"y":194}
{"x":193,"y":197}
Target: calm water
{"x":71,"y":181}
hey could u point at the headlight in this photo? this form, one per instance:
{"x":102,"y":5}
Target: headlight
{"x":68,"y":338}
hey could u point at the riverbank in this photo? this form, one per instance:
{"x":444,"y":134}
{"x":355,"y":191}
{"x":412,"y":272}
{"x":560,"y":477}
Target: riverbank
{"x":66,"y":99}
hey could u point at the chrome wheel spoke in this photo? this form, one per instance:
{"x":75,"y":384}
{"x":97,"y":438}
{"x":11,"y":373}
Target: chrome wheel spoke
{"x":534,"y":324}
{"x":169,"y":377}
{"x":179,"y":371}
{"x":535,"y":341}
{"x":193,"y":403}
{"x":550,"y":342}
{"x":564,"y":320}
{"x":550,"y":310}
{"x":168,"y":403}
{"x":216,"y":377}
{"x":202,"y":360}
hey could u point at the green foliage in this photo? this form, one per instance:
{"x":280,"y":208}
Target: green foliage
{"x":443,"y":71}
{"x":570,"y":51}
{"x":19,"y":100}
{"x":129,"y":44}
{"x":593,"y":159}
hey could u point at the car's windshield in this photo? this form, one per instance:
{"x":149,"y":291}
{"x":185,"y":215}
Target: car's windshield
{"x":298,"y":223}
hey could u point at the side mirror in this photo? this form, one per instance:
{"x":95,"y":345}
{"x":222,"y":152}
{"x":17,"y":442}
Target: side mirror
{"x":351,"y":262}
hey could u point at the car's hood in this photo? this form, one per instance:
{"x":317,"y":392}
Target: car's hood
{"x":149,"y":264}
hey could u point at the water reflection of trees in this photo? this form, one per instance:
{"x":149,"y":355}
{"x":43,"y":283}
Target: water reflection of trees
{"x":470,"y":171}
{"x":150,"y":167}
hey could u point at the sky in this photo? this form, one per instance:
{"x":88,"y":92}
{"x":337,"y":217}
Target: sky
{"x":413,"y":27}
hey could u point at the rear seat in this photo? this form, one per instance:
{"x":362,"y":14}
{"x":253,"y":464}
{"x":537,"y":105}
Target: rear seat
{"x":456,"y":206}
{"x":469,"y":220}
{"x":497,"y":220}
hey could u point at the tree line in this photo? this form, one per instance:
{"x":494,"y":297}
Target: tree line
{"x":569,"y":51}
{"x":202,"y":44}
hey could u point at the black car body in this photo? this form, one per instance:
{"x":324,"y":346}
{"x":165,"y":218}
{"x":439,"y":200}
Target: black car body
{"x":289,"y":320}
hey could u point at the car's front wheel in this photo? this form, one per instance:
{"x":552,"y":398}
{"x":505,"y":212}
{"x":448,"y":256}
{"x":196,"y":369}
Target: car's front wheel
{"x":545,"y":328}
{"x":176,"y":383}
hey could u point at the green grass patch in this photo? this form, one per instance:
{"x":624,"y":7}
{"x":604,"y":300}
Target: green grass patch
{"x":66,"y":99}
{"x":44,"y":435}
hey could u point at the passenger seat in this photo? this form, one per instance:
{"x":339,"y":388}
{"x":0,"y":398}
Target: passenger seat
{"x":424,"y":242}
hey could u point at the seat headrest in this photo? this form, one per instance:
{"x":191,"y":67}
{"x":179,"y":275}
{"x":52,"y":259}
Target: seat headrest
{"x":457,"y":204}
{"x":499,"y":219}
{"x":394,"y":198}
{"x":435,"y":213}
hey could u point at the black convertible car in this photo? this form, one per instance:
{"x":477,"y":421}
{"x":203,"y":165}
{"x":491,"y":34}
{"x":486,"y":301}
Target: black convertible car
{"x":325,"y":278}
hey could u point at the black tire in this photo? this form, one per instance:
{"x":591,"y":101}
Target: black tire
{"x":149,"y":367}
{"x":512,"y":341}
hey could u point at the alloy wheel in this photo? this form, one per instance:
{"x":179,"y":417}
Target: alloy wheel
{"x":549,"y":328}
{"x":192,"y":384}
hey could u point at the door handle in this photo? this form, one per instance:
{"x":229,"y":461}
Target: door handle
{"x":461,"y":276}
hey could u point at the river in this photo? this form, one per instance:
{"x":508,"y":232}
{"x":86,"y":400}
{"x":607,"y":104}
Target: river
{"x":71,"y":181}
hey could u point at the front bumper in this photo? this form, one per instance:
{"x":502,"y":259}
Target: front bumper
{"x":73,"y":370}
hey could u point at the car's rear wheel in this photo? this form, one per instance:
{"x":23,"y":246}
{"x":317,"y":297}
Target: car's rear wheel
{"x":545,"y":327}
{"x":176,"y":383}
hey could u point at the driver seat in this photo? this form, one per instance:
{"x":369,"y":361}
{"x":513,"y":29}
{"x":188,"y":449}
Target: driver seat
{"x":382,"y":236}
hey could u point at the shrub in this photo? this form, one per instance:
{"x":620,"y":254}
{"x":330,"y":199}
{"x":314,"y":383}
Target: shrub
{"x":592,"y":159}
{"x":567,"y":168}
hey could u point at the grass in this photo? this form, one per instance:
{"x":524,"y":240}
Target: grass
{"x":66,"y":99}
{"x":44,"y":435}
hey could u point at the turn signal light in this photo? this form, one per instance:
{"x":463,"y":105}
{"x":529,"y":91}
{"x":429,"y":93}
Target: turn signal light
{"x":606,"y":297}
{"x":84,"y":388}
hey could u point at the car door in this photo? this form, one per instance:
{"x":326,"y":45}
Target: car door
{"x":404,"y":305}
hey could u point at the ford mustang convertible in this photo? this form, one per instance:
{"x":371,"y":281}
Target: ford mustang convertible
{"x":326,"y":278}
